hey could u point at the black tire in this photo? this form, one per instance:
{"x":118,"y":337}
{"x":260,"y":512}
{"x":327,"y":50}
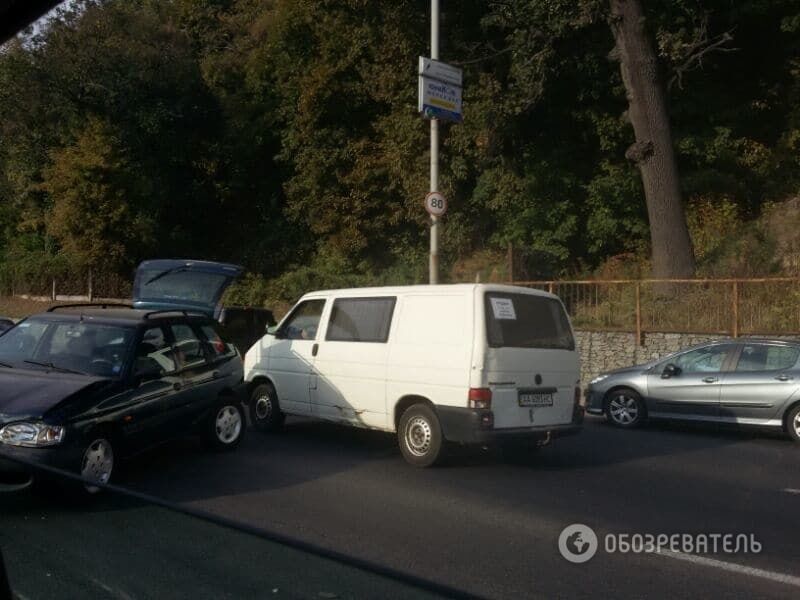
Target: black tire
{"x":265,"y":411}
{"x":420,"y":436}
{"x":625,"y":409}
{"x":226,"y":424}
{"x":98,"y":461}
{"x":793,"y":423}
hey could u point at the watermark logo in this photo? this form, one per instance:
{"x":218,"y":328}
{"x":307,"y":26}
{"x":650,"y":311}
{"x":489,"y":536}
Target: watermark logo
{"x":577,"y":543}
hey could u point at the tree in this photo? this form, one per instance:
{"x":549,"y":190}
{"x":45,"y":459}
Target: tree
{"x":653,"y":152}
{"x":90,"y":184}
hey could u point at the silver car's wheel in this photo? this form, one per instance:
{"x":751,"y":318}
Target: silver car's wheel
{"x":98,"y":463}
{"x":228,"y":425}
{"x":625,"y":409}
{"x":793,"y":423}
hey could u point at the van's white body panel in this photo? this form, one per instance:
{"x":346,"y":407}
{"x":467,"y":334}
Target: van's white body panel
{"x":436,"y":350}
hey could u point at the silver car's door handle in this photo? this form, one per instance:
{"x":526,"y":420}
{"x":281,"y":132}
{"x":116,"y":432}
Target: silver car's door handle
{"x":710,"y":380}
{"x":784,"y":377}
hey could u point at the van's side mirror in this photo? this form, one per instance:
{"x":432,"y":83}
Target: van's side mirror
{"x":273,"y":330}
{"x":671,"y":370}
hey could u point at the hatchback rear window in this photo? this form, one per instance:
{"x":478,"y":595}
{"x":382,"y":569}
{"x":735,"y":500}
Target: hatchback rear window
{"x":526,"y":321}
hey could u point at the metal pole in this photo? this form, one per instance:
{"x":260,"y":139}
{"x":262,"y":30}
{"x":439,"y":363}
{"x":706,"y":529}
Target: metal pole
{"x":639,"y":339}
{"x":434,"y":257}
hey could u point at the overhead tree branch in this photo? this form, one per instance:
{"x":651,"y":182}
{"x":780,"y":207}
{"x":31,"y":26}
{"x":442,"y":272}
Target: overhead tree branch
{"x":701,"y":46}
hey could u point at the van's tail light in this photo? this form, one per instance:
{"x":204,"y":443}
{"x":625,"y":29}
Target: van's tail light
{"x":577,"y":395}
{"x":480,"y":398}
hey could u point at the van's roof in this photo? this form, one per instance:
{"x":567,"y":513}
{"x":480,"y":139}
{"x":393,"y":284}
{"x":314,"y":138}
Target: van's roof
{"x":432,"y":289}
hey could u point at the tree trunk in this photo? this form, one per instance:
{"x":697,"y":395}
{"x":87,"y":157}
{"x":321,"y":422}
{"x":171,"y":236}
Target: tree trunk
{"x":653,"y":153}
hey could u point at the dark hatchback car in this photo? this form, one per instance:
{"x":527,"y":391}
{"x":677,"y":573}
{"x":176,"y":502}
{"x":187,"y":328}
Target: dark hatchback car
{"x":82,"y":386}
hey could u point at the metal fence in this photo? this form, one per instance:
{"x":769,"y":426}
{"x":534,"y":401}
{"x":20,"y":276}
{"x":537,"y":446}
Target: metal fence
{"x":97,"y":284}
{"x":715,"y":306}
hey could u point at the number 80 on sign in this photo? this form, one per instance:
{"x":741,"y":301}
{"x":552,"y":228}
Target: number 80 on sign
{"x":436,"y":204}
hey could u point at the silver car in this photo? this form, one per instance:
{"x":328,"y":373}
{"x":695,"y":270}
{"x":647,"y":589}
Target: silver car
{"x":741,"y":381}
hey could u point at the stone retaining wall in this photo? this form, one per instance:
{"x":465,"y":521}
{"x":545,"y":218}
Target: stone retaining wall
{"x":605,"y":350}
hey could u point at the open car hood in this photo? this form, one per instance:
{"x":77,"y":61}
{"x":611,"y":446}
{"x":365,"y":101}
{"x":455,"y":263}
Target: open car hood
{"x":197,"y":285}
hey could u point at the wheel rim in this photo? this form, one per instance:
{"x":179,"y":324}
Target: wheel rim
{"x":418,"y":436}
{"x":97,"y":464}
{"x":263,"y":407}
{"x":228,"y":424}
{"x":797,"y":424}
{"x":624,"y":410}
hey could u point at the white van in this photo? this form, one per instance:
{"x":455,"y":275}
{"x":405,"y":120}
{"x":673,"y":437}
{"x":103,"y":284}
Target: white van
{"x":467,"y":363}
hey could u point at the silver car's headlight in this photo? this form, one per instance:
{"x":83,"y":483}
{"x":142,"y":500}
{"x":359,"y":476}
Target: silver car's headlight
{"x":598,"y":379}
{"x":31,"y":435}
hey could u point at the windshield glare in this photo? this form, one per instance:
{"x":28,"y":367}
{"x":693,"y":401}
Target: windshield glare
{"x":89,"y":348}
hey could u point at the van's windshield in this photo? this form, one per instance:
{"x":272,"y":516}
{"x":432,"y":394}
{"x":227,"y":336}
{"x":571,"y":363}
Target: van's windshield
{"x":526,"y":321}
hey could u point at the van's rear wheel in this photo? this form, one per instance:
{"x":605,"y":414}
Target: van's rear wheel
{"x":265,"y":412}
{"x":420,"y":436}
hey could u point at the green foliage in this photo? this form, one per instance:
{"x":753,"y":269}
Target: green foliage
{"x":283,"y":135}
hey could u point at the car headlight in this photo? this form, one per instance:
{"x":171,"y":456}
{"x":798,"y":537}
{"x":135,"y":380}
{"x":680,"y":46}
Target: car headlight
{"x":598,"y":379}
{"x":31,"y":435}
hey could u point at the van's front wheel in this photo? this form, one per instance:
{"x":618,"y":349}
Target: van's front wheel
{"x":420,"y":436}
{"x":265,"y":412}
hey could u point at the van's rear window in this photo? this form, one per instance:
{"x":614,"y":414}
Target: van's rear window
{"x":526,"y":321}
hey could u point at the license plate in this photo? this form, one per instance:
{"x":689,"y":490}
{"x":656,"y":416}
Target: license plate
{"x":535,"y":399}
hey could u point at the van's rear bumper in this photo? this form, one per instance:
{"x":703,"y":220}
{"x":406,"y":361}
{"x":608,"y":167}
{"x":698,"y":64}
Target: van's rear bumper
{"x":476,"y":426}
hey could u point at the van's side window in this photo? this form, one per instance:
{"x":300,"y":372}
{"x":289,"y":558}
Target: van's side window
{"x":303,"y":323}
{"x":361,"y":320}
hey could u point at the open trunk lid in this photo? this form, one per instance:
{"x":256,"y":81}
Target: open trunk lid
{"x":168,"y":284}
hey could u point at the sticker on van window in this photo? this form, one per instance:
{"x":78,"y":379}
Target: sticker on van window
{"x":503,"y":308}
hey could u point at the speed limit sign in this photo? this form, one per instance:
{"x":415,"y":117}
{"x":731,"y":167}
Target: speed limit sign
{"x":436,"y":204}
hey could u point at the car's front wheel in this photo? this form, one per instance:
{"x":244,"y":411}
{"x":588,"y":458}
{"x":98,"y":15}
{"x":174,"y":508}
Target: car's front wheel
{"x":226,"y":424}
{"x":265,"y":412}
{"x":97,"y":462}
{"x":793,"y":423}
{"x":420,"y":436}
{"x":625,"y":408}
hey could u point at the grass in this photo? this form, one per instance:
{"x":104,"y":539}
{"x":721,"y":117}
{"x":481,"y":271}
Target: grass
{"x":15,"y":307}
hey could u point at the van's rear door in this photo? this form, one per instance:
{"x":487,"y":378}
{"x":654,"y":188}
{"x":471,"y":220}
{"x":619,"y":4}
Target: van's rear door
{"x":532,"y":366}
{"x":182,"y":284}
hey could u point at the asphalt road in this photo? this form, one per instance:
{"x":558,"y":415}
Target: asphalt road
{"x":480,"y":523}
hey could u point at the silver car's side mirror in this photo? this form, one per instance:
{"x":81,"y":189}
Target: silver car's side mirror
{"x":670,"y":370}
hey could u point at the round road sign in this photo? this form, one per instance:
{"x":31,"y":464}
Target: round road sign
{"x":436,"y":204}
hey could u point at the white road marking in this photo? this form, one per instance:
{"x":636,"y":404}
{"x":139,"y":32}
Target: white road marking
{"x":114,"y":593}
{"x":791,"y":490}
{"x":734,"y":568}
